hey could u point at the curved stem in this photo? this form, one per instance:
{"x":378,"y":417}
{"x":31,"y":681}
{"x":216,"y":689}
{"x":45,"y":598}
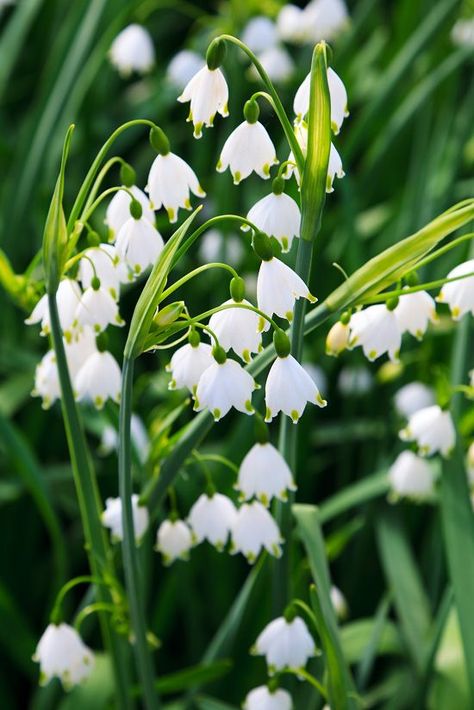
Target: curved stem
{"x":217,"y":458}
{"x":99,"y":179}
{"x":196,"y":272}
{"x":412,"y":289}
{"x":302,"y":673}
{"x":442,"y":250}
{"x":93,"y":609}
{"x":55,"y":615}
{"x":129,"y":549}
{"x":110,"y":191}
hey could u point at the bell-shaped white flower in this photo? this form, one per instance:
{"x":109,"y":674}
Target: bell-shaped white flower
{"x":276,"y":62}
{"x":118,"y":211}
{"x":459,"y":295}
{"x":338,"y":602}
{"x":325,"y":19}
{"x":278,"y":287}
{"x":432,"y":429}
{"x":337,"y":339}
{"x":98,"y":380}
{"x":290,"y":24}
{"x":188,"y":364}
{"x":62,"y":654}
{"x":184,"y":65}
{"x":208,"y":94}
{"x":462,"y":32}
{"x":222,"y":386}
{"x":338,"y":96}
{"x":259,"y":34}
{"x":104,"y":262}
{"x":97,"y":309}
{"x":174,"y":540}
{"x":335,"y":168}
{"x":132,"y":50}
{"x":211,"y":518}
{"x":264,"y":474}
{"x":412,"y":397}
{"x":278,"y":215}
{"x":410,"y":477}
{"x":68,"y":296}
{"x":237,"y":328}
{"x":47,"y":380}
{"x":248,"y":148}
{"x":262,"y":698}
{"x":170,"y":182}
{"x":285,"y":644}
{"x":377,"y":330}
{"x":414,"y":312}
{"x":112,"y":518}
{"x":288,"y":388}
{"x":254,"y":529}
{"x":139,"y":244}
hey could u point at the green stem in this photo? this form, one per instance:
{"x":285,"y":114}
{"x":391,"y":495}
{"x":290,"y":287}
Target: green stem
{"x":100,"y":178}
{"x":302,"y":673}
{"x":413,"y":289}
{"x":214,"y":265}
{"x":129,"y":549}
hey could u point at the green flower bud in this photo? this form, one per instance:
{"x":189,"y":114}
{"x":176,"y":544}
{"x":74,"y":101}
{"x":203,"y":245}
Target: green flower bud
{"x":169,"y":314}
{"x":237,"y":289}
{"x":215,"y":54}
{"x":412,"y":279}
{"x":345,"y":317}
{"x":128,"y":176}
{"x":282,"y":343}
{"x":251,"y":111}
{"x":262,"y":246}
{"x":159,"y":141}
{"x":219,"y":355}
{"x":136,"y":209}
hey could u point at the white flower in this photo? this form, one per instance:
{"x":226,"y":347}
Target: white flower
{"x":259,"y":34}
{"x":253,"y":529}
{"x":278,"y":287}
{"x":410,"y":477}
{"x":67,"y":297}
{"x":412,"y":397}
{"x":223,"y":386}
{"x":338,"y":602}
{"x":278,"y":216}
{"x":62,"y":654}
{"x":325,"y":19}
{"x":97,"y":309}
{"x":337,"y":94}
{"x":262,"y":698}
{"x":285,"y":644}
{"x":264,"y":474}
{"x":337,"y":339}
{"x":132,"y":50}
{"x":470,"y":465}
{"x":211,"y":518}
{"x":288,"y":388}
{"x":139,"y":244}
{"x":377,"y":330}
{"x":335,"y":168}
{"x":112,"y":518}
{"x":174,"y":540}
{"x":462,"y":32}
{"x":248,"y":148}
{"x":354,"y":381}
{"x":208,"y":94}
{"x":118,"y":211}
{"x":98,"y":380}
{"x":104,"y":262}
{"x":290,"y":24}
{"x":414,"y":311}
{"x":277,"y":63}
{"x":459,"y":295}
{"x":432,"y":429}
{"x":169,"y":184}
{"x":216,"y":246}
{"x":184,"y":65}
{"x":237,"y":328}
{"x":47,"y":380}
{"x":187,"y":365}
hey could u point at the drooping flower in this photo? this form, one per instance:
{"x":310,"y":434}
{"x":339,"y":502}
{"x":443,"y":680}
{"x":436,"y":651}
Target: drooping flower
{"x":112,"y":518}
{"x":118,"y":210}
{"x":237,"y":328}
{"x":414,"y":312}
{"x":278,"y":215}
{"x":337,"y":94}
{"x":98,"y":380}
{"x":208,"y":94}
{"x":211,"y":518}
{"x":259,"y":34}
{"x":377,"y":331}
{"x":337,"y":339}
{"x":97,"y":308}
{"x":170,"y":182}
{"x":174,"y":540}
{"x":285,"y":644}
{"x":254,"y":529}
{"x":263,"y":698}
{"x":412,"y":397}
{"x":222,"y":386}
{"x":289,"y":388}
{"x":410,"y":477}
{"x":278,"y":287}
{"x":47,"y":380}
{"x":462,"y":32}
{"x":188,"y":364}
{"x":459,"y":295}
{"x":132,"y":50}
{"x":338,"y":602}
{"x":103,"y":262}
{"x":248,"y":148}
{"x":325,"y":19}
{"x":62,"y":654}
{"x":264,"y":474}
{"x":139,"y":244}
{"x":276,"y":62}
{"x":290,"y":24}
{"x":67,"y":297}
{"x":432,"y":429}
{"x":184,"y":65}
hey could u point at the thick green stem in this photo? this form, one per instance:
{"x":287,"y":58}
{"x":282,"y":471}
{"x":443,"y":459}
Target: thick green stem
{"x":129,"y":548}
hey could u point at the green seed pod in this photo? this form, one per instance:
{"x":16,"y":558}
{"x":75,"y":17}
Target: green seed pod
{"x":128,"y":176}
{"x":215,"y":54}
{"x":251,"y":111}
{"x":262,"y":246}
{"x":237,"y":289}
{"x":159,"y":141}
{"x":282,"y":343}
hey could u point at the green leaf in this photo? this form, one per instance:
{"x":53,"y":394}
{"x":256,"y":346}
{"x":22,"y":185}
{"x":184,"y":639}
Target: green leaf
{"x":206,"y":703}
{"x":193,"y":677}
{"x":354,"y":495}
{"x":357,"y":635}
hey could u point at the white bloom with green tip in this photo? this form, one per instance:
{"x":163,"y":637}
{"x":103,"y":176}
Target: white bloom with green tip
{"x":68,"y":297}
{"x":211,"y":518}
{"x":62,"y":654}
{"x":237,"y":328}
{"x":376,"y":329}
{"x":264,"y":474}
{"x":187,"y":365}
{"x":278,"y":287}
{"x":337,"y":94}
{"x":170,"y":183}
{"x":459,"y":295}
{"x":278,"y":216}
{"x":112,"y":518}
{"x":410,"y":477}
{"x":255,"y":529}
{"x":97,"y":309}
{"x":262,"y":698}
{"x":174,"y":540}
{"x":118,"y":211}
{"x":139,"y":244}
{"x":104,"y":262}
{"x":285,"y":644}
{"x":432,"y":429}
{"x":288,"y":388}
{"x":208,"y":94}
{"x":412,"y":397}
{"x":249,"y":148}
{"x":47,"y":384}
{"x":414,"y":312}
{"x":132,"y":51}
{"x":222,"y":386}
{"x":98,"y":380}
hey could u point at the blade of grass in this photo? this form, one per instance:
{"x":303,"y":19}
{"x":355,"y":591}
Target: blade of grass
{"x":354,"y":495}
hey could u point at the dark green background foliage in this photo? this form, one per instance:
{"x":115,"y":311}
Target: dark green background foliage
{"x":408,"y":151}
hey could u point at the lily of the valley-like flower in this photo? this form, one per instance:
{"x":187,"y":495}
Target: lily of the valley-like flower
{"x":174,"y":540}
{"x":285,"y":644}
{"x":62,"y":654}
{"x":112,"y":518}
{"x":278,"y":287}
{"x":288,"y":388}
{"x":170,"y":182}
{"x":410,"y":477}
{"x":97,"y":308}
{"x":67,"y":297}
{"x":263,"y":698}
{"x":224,"y":385}
{"x":248,"y":148}
{"x":208,"y":94}
{"x":338,"y":97}
{"x":377,"y":330}
{"x":254,"y":529}
{"x":188,"y":364}
{"x":132,"y":50}
{"x":237,"y":328}
{"x":337,"y":339}
{"x":139,"y":244}
{"x":459,"y":295}
{"x":264,"y":474}
{"x":414,"y":312}
{"x":412,"y":397}
{"x":211,"y":518}
{"x":278,"y":215}
{"x":98,"y":380}
{"x":432,"y":429}
{"x":118,"y":211}
{"x":103,"y":262}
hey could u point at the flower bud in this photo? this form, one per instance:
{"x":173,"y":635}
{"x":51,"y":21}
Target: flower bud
{"x":159,"y":141}
{"x":128,"y":176}
{"x":215,"y":54}
{"x":337,"y":339}
{"x":412,"y":279}
{"x":136,"y":210}
{"x":237,"y":289}
{"x":282,"y":343}
{"x":251,"y":111}
{"x":169,"y":314}
{"x":262,"y":246}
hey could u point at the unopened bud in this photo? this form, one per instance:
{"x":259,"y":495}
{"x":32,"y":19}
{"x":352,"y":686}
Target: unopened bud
{"x":169,"y":314}
{"x":337,"y":339}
